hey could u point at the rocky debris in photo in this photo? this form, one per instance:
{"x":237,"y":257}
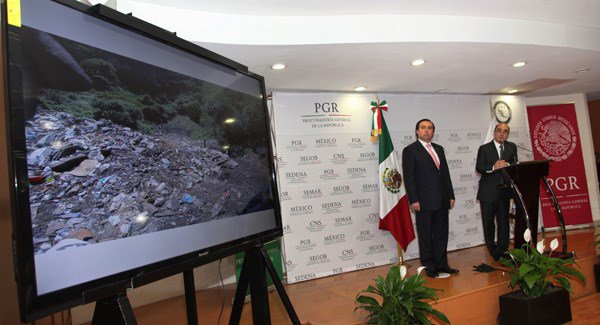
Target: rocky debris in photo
{"x":101,"y":181}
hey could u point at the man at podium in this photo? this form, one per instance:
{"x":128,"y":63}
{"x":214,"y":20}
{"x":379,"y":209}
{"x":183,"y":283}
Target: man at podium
{"x":493,"y":198}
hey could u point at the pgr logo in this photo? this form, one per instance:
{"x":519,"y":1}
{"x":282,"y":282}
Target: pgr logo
{"x":305,"y":244}
{"x":296,"y":145}
{"x":462,"y":219}
{"x":453,"y":137}
{"x":364,"y":235}
{"x":326,"y":107}
{"x":329,"y":174}
{"x":356,"y":143}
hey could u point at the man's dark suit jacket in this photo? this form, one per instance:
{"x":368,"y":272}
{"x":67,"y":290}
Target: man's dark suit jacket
{"x":487,"y":155}
{"x":424,"y":183}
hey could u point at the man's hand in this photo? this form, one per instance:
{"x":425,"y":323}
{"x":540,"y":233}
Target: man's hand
{"x":451,"y":204}
{"x":416,"y":207}
{"x":500,"y":164}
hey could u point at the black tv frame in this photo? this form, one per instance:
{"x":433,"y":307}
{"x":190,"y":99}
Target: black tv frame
{"x":32,"y":306}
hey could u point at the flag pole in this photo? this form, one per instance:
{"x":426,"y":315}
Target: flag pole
{"x":401,"y":258}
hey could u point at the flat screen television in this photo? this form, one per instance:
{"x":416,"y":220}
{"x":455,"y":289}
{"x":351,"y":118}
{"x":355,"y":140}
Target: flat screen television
{"x":133,"y":154}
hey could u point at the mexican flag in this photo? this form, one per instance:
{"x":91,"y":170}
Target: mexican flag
{"x":393,"y":201}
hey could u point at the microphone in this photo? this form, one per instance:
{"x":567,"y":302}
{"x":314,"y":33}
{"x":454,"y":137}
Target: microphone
{"x":528,"y":155}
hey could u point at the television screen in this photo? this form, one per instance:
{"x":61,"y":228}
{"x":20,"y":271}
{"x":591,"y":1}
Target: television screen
{"x":127,"y":152}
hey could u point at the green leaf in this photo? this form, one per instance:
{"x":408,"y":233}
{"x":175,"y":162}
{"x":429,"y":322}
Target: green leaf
{"x":439,"y":315}
{"x":530,"y":279}
{"x":525,"y":268}
{"x":367,"y":300}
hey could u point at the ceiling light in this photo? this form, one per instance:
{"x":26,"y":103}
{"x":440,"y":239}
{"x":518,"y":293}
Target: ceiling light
{"x":582,"y":70}
{"x":360,"y":88}
{"x":512,"y":91}
{"x":278,"y":66}
{"x":519,"y":64}
{"x":229,"y":120}
{"x":418,"y":62}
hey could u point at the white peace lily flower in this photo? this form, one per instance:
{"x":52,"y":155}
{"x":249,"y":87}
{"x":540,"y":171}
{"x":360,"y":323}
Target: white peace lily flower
{"x":421,"y":268}
{"x":402,"y":272}
{"x":540,"y":246}
{"x":527,"y":235}
{"x":554,"y":244}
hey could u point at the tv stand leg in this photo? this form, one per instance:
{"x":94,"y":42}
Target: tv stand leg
{"x":253,"y":274}
{"x":114,"y":310}
{"x":190,"y":297}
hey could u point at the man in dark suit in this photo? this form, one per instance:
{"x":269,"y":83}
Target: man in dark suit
{"x":430,"y":193}
{"x":494,"y":201}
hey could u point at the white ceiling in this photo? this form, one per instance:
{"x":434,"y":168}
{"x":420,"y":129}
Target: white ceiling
{"x":335,"y":45}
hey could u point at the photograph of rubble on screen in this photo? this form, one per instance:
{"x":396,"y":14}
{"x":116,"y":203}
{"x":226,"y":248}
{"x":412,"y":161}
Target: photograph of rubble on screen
{"x":119,"y":148}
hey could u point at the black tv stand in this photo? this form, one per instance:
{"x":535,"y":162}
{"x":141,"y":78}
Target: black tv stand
{"x":256,"y":260}
{"x":114,"y":310}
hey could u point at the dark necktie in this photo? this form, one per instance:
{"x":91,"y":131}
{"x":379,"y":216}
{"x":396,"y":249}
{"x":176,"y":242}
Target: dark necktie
{"x":501,"y":155}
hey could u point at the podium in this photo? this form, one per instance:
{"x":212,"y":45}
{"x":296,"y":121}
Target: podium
{"x":524,"y":181}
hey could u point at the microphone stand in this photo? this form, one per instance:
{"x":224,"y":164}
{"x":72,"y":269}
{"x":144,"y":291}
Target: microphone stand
{"x":561,"y":220}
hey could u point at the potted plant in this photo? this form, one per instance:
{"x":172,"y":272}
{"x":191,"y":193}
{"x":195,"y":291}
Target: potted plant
{"x":544,"y":283}
{"x":403,"y":300}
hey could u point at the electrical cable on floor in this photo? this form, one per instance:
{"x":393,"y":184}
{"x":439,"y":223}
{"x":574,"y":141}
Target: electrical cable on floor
{"x":222,"y":292}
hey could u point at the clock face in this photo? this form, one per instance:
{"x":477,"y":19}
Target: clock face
{"x":502,"y":112}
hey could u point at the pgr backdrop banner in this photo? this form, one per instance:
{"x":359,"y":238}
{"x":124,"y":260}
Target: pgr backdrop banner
{"x":328,"y":173}
{"x":556,"y":136}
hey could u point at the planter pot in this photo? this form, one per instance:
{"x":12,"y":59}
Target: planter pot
{"x":553,"y":307}
{"x":597,"y":276}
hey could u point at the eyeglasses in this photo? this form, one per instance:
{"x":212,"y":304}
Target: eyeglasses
{"x":502,"y":131}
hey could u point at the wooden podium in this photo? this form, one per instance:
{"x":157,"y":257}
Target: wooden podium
{"x":524,"y":180}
